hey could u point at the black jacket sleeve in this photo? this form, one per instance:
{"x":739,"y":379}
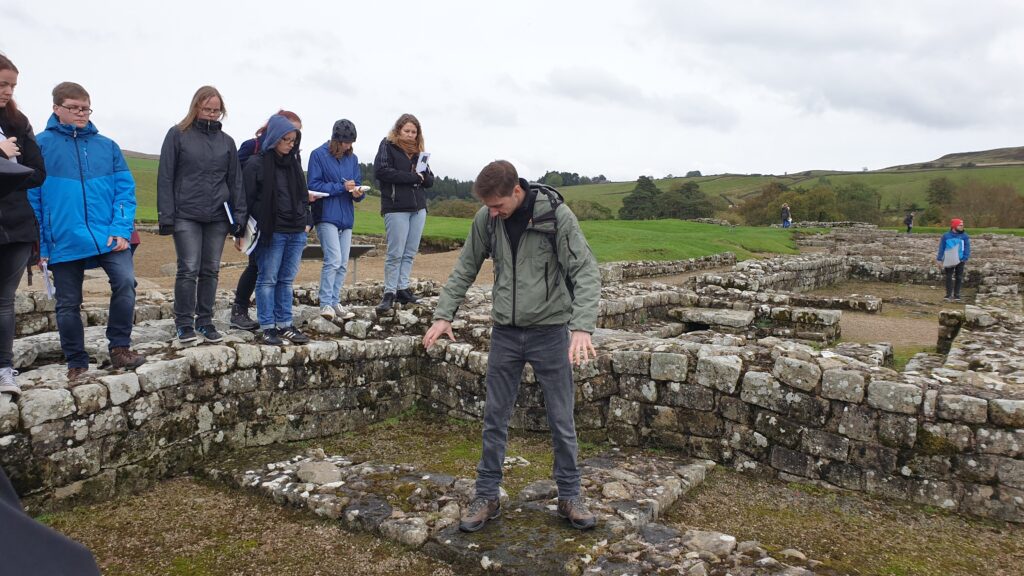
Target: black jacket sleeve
{"x":30,"y":154}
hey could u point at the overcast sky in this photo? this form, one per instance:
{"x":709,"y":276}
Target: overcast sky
{"x":620,"y":89}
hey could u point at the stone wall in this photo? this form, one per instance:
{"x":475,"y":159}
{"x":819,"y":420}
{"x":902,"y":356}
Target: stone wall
{"x":794,"y":274}
{"x":121,"y":432}
{"x":788,"y":410}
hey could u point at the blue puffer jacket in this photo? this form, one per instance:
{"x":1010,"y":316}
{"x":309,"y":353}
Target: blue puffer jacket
{"x":328,"y":174}
{"x":88,"y":195}
{"x":955,"y":240}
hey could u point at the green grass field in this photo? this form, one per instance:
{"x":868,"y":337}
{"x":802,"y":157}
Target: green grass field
{"x":614,"y":240}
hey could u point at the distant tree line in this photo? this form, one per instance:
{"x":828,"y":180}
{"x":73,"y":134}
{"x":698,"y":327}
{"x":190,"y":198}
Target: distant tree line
{"x":683,"y":201}
{"x":444,"y":188}
{"x":823,"y":202}
{"x":556,"y":179}
{"x":980,"y":204}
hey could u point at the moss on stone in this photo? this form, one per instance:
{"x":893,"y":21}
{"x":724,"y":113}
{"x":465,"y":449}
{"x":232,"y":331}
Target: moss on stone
{"x":934,"y":445}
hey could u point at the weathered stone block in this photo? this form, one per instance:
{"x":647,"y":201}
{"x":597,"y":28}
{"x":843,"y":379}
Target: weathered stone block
{"x":686,"y":395}
{"x":778,"y":429}
{"x":40,"y":405}
{"x":877,"y":458}
{"x":895,"y":396}
{"x":939,"y":493}
{"x":1001,"y":503}
{"x":961,"y":408}
{"x":844,"y":475}
{"x":946,"y":437}
{"x":671,"y":367}
{"x":90,"y":397}
{"x":639,"y":388}
{"x":161,"y":374}
{"x":700,"y":423}
{"x":735,"y":409}
{"x":858,"y":422}
{"x":631,"y":362}
{"x":897,"y":430}
{"x":1002,"y":442}
{"x":976,"y":468}
{"x":661,"y":418}
{"x":247,"y":355}
{"x":322,"y":350}
{"x":825,"y":444}
{"x":1011,"y":472}
{"x":845,"y":385}
{"x":622,"y":410}
{"x":122,"y":387}
{"x":1009,"y":413}
{"x":210,"y":360}
{"x":748,"y":441}
{"x":793,"y":462}
{"x":238,"y":381}
{"x":886,"y":486}
{"x":719,"y":372}
{"x":797,"y":373}
{"x":9,"y":415}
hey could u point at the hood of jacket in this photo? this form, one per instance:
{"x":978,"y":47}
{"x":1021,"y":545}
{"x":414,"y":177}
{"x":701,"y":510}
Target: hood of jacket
{"x":55,"y":125}
{"x":277,"y":127}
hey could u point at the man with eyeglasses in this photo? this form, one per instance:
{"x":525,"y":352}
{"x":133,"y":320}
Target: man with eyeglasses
{"x":86,"y":214}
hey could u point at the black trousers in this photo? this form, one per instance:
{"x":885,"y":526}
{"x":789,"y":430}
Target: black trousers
{"x":247,"y":283}
{"x":12,"y":266}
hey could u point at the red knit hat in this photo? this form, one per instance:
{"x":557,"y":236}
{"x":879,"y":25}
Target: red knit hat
{"x":955,"y":222}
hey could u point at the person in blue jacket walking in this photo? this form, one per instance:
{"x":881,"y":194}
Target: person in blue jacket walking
{"x":334,"y":170}
{"x":954,"y":251}
{"x":86,"y":214}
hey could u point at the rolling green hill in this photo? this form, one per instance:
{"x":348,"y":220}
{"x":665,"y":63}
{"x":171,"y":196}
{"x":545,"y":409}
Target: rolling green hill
{"x":899,"y":187}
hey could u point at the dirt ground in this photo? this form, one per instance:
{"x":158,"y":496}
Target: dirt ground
{"x":155,"y":261}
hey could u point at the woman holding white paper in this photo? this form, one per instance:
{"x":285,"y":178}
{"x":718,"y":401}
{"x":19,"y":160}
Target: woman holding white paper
{"x":200,"y":200}
{"x":334,"y":184}
{"x":403,"y":204}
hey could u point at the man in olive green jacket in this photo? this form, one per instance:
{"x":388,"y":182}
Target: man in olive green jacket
{"x":546,"y":286}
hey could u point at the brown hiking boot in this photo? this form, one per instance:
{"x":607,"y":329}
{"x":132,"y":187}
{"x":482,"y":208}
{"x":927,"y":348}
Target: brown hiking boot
{"x":575,"y":510}
{"x":75,"y":373}
{"x":479,"y":512}
{"x":124,"y":357}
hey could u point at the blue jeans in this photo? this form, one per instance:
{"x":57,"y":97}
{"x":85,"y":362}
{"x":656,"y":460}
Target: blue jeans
{"x":546,"y":348}
{"x":335,"y":243}
{"x":403,"y":231}
{"x":199,"y":247}
{"x":67,"y":280}
{"x":278,"y":263}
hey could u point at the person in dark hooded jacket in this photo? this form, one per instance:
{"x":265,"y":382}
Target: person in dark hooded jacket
{"x":23,"y":168}
{"x":247,"y":280}
{"x":200,"y":200}
{"x":278,"y":199}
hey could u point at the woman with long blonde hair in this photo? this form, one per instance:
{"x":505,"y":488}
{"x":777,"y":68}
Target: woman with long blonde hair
{"x":403,"y":203}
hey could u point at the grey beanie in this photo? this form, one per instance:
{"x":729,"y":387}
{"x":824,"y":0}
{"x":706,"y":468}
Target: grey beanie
{"x":344,"y":131}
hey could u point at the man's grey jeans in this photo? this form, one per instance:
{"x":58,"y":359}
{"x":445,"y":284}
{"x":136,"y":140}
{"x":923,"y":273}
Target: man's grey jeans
{"x":546,"y":348}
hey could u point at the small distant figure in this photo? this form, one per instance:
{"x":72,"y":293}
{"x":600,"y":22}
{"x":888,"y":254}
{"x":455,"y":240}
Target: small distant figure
{"x":954,"y":251}
{"x":787,"y":218}
{"x":908,"y":221}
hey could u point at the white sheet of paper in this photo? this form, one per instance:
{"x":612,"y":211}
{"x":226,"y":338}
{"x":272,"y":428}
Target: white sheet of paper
{"x":422,"y":165}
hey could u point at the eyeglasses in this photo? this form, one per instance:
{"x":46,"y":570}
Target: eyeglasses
{"x":211,"y":110}
{"x":77,"y":109}
{"x":289,"y":140}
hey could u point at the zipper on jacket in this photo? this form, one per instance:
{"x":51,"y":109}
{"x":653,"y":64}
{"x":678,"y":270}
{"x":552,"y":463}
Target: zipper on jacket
{"x":509,"y":242}
{"x":122,"y":209}
{"x":81,"y":180}
{"x":547,"y":286}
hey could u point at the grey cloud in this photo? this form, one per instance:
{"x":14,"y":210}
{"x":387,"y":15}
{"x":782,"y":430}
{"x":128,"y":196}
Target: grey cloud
{"x":897,"y":62}
{"x":487,"y":113}
{"x":590,"y":85}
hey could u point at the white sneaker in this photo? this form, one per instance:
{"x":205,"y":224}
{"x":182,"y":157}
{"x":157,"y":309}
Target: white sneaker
{"x":327,"y":312}
{"x":343,"y":313}
{"x":7,"y":382}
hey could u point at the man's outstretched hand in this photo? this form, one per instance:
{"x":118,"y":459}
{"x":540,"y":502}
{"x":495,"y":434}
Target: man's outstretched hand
{"x":580,"y":347}
{"x":437,"y":329}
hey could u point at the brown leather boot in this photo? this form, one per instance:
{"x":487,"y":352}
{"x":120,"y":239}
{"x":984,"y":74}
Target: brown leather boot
{"x":479,"y":512}
{"x":124,"y":357}
{"x":576,"y":511}
{"x":75,"y":373}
